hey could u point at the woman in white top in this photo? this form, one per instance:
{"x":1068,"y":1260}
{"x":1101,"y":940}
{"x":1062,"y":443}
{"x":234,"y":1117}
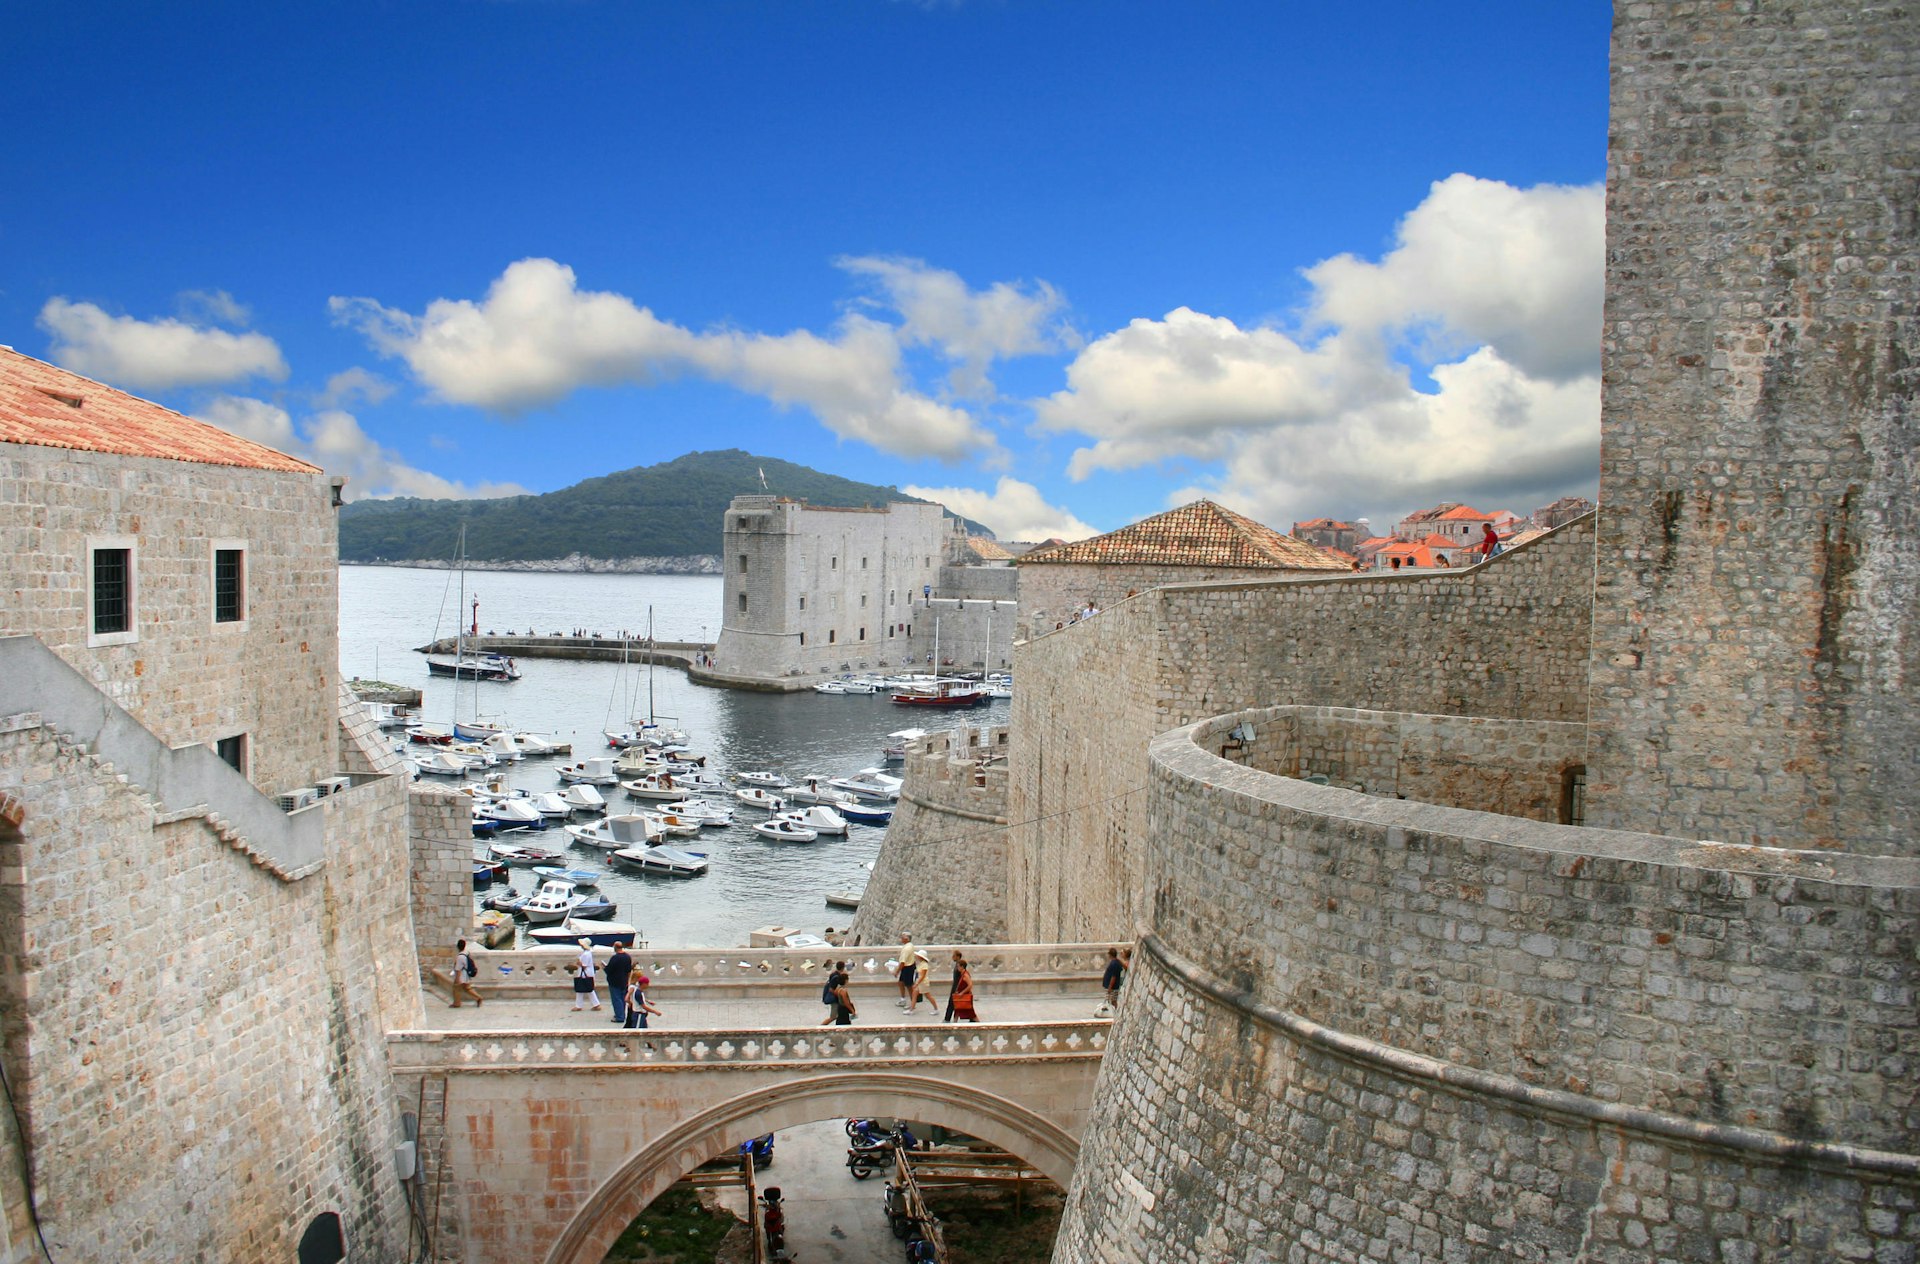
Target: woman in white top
{"x":583,"y":973}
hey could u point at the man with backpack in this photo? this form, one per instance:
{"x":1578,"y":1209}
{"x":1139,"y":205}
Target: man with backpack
{"x":463,"y":972}
{"x":619,"y":970}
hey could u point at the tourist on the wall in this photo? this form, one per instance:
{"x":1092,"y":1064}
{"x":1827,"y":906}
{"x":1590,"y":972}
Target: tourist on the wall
{"x":1489,"y":541}
{"x":619,"y":972}
{"x":463,"y":972}
{"x":843,"y":1008}
{"x":923,"y":982}
{"x":960,"y":995}
{"x":1110,"y":980}
{"x":583,"y":973}
{"x":905,"y":969}
{"x":830,"y":991}
{"x":637,"y":1005}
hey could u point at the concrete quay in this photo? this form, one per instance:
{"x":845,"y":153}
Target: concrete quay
{"x":605,"y":649}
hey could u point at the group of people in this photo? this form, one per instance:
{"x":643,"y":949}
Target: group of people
{"x":913,"y":975}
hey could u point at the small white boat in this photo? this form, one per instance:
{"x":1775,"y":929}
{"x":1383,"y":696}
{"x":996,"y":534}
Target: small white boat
{"x":552,"y":807}
{"x":585,"y":879}
{"x":831,"y":686}
{"x":814,"y":788}
{"x":668,"y":862}
{"x":869,"y":783}
{"x":597,"y":771}
{"x":439,"y":763}
{"x":786,"y":831}
{"x":819,"y":818}
{"x":583,"y":798}
{"x":507,"y":810}
{"x":896,"y":750}
{"x":661,"y":786}
{"x":860,"y":685}
{"x":522,"y":857}
{"x":391,"y":715}
{"x":703,"y":812}
{"x":755,"y":797}
{"x":672,"y":823}
{"x":476,"y":754}
{"x":553,"y":902}
{"x":763,"y":779}
{"x":568,"y":933}
{"x":629,"y":829}
{"x":537,"y":744}
{"x":476,"y":730}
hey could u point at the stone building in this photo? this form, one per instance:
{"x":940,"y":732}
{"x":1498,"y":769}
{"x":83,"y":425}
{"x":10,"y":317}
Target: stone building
{"x":1328,"y":533}
{"x":1561,"y":512}
{"x":1197,"y":542}
{"x":201,"y":942}
{"x":813,"y":591}
{"x":1395,"y":996}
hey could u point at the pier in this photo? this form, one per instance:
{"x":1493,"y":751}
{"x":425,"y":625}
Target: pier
{"x":606,"y":649}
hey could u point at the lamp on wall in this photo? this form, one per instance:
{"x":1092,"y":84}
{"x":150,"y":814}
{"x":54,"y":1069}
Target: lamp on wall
{"x":339,"y":481}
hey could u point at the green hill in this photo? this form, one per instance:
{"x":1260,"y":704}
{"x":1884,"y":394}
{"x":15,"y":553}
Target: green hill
{"x":673,"y":509}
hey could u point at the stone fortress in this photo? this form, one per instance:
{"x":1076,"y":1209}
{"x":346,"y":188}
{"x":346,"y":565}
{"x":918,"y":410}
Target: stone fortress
{"x":1567,"y":907}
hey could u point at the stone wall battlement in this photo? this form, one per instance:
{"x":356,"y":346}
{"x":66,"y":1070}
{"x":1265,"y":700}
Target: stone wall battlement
{"x":960,"y":768}
{"x":1714,"y":982}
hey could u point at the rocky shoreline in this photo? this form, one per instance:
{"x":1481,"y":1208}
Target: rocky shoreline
{"x":573,"y":564}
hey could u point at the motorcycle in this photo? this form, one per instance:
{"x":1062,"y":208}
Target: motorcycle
{"x":773,"y":1219}
{"x":761,"y":1149}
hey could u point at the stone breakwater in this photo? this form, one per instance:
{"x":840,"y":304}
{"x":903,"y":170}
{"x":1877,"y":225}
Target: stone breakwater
{"x":572,"y":564}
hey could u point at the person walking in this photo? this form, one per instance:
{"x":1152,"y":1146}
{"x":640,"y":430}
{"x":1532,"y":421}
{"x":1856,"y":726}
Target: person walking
{"x":637,"y":1006}
{"x":960,"y":996}
{"x":923,"y":982}
{"x":463,"y":972}
{"x":907,"y":969}
{"x":619,"y":972}
{"x":843,"y":1008}
{"x":1489,"y":542}
{"x":583,"y":973}
{"x":1110,"y":980}
{"x":829,"y":992}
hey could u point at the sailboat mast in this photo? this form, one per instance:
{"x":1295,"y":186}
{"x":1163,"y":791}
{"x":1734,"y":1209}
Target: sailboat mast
{"x":649,"y":665}
{"x":460,"y":624}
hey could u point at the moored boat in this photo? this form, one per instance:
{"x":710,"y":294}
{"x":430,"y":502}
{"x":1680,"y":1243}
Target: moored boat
{"x":583,"y":798}
{"x":553,"y":902}
{"x":597,"y":771}
{"x":628,"y":829}
{"x":786,"y":831}
{"x":567,"y":934}
{"x":582,"y":878}
{"x":755,"y":797}
{"x":666,"y":862}
{"x":944,"y":692}
{"x":766,"y":780}
{"x":818,"y":817}
{"x":865,"y":813}
{"x":522,"y":857}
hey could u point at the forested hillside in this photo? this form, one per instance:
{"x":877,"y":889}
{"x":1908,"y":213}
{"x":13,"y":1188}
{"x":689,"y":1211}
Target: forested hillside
{"x":673,"y":509}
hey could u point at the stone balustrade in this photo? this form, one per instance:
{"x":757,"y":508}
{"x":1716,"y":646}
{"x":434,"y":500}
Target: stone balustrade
{"x":417,"y":1052}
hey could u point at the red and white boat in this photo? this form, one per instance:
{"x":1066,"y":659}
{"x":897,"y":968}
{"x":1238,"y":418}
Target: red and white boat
{"x":943,"y":692}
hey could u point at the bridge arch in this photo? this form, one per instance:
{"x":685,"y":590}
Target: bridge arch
{"x":605,"y":1213}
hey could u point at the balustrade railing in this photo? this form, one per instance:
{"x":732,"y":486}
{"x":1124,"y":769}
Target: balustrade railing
{"x":414,"y":1052}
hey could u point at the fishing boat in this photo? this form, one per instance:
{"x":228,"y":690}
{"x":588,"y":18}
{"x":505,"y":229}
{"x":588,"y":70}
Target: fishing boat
{"x":762,"y":778}
{"x":865,"y":813}
{"x":819,"y":818}
{"x":629,"y":829}
{"x":814,"y":788}
{"x":569,"y":933}
{"x":783,"y":830}
{"x":585,"y":879}
{"x":755,"y":797}
{"x":553,"y":902}
{"x":869,"y":783}
{"x":661,"y":786}
{"x":666,"y":862}
{"x":552,"y":807}
{"x":508,"y":811}
{"x":704,"y":812}
{"x":440,"y":764}
{"x":674,"y":824}
{"x":947,"y":691}
{"x":538,"y":744}
{"x":597,"y":771}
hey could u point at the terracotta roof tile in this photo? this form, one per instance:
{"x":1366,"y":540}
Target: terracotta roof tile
{"x":45,"y":406}
{"x":987,"y":550}
{"x":1466,"y":512}
{"x":1200,"y":534}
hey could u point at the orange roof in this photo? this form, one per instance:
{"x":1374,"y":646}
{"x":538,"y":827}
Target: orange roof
{"x":1200,"y":534}
{"x":48,"y":407}
{"x":1410,"y":554}
{"x":1330,"y":524}
{"x":987,"y":550}
{"x":1466,"y":512}
{"x":1438,"y":541}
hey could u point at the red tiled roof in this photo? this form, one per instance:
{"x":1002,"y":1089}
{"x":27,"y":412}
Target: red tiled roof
{"x":45,"y":406}
{"x":1200,"y":534}
{"x":987,"y":550}
{"x":1467,"y":513}
{"x":1331,"y":524}
{"x":1437,"y":541}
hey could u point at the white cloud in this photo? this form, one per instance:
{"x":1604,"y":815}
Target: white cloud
{"x":352,"y":385}
{"x":154,"y":355}
{"x":536,"y":337}
{"x":971,"y":328}
{"x":215,"y":307}
{"x":1329,"y":418}
{"x":333,"y":440}
{"x":1013,"y":510}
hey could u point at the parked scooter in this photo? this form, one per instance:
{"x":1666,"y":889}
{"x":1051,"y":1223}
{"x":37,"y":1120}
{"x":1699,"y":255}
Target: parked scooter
{"x":761,"y":1148}
{"x":873,"y":1150}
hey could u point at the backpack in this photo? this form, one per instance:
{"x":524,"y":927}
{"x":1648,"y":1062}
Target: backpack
{"x":826,"y":992}
{"x":472,"y":969}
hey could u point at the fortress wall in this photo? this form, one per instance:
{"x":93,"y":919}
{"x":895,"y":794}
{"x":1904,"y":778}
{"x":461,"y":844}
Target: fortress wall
{"x":1756,"y":663}
{"x":1505,"y":639}
{"x":1358,"y":1022}
{"x":189,"y":679}
{"x":941,"y":872}
{"x":439,"y":873}
{"x":1054,"y":592}
{"x":200,"y":1049}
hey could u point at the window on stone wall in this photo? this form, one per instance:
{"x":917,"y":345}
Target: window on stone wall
{"x":891,"y":629}
{"x":743,"y":563}
{"x":803,"y":638}
{"x":863,"y":563}
{"x":863,"y":634}
{"x":863,"y":601}
{"x":890,"y":597}
{"x":832,"y":636}
{"x":112,"y":592}
{"x":234,"y":751}
{"x":1573,"y":795}
{"x":833,"y":564}
{"x":743,"y":603}
{"x":803,"y":603}
{"x":229,"y":585}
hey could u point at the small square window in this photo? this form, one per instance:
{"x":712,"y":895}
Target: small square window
{"x":863,"y":601}
{"x":234,"y":751}
{"x":229,"y":585}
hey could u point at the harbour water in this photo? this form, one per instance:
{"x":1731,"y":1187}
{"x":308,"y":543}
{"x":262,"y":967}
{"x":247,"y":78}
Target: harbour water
{"x":387,"y":612}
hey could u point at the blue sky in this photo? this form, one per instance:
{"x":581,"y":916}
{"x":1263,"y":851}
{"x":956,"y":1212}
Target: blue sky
{"x":1063,"y":264}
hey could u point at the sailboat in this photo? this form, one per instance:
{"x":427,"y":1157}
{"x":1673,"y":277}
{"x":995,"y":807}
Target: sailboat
{"x":464,"y":665}
{"x":647,"y":732}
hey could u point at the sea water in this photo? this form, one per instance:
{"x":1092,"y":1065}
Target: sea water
{"x":386,"y":613}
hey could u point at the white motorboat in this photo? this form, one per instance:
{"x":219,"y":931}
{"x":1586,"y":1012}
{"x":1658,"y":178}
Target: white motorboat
{"x":553,"y":902}
{"x":583,"y":798}
{"x":552,"y":806}
{"x":704,"y":812}
{"x":500,"y":745}
{"x":597,"y":771}
{"x":755,"y":797}
{"x":390,"y":715}
{"x":786,"y":831}
{"x":860,"y":685}
{"x":538,"y":744}
{"x":474,"y":753}
{"x":674,"y":824}
{"x":603,"y":934}
{"x":763,"y":779}
{"x":814,"y":788}
{"x":522,"y":857}
{"x":869,"y":783}
{"x":628,"y":829}
{"x":668,"y":862}
{"x":819,"y":818}
{"x":507,"y":810}
{"x":585,"y":879}
{"x":896,"y":751}
{"x":661,"y":786}
{"x":439,"y":763}
{"x":831,"y":686}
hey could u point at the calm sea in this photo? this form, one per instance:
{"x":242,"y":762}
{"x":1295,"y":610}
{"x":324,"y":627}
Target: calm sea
{"x":387,"y":612}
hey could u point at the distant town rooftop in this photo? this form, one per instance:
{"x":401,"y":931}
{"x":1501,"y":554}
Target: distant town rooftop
{"x":1200,"y":534}
{"x":46,"y":406}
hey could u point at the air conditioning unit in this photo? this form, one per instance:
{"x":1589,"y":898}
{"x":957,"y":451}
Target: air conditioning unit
{"x":405,"y":1160}
{"x":332,"y":785}
{"x":294,"y":800}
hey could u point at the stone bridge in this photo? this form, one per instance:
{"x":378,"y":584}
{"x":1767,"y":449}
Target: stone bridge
{"x":544,"y":1131}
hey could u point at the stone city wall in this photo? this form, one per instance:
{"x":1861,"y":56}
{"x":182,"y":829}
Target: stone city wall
{"x":1361,"y":1029}
{"x":1506,"y":639}
{"x":1054,"y":592}
{"x":186,"y":677}
{"x":440,"y":874}
{"x":1756,"y":655}
{"x":217,"y":1028}
{"x":941,"y":873}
